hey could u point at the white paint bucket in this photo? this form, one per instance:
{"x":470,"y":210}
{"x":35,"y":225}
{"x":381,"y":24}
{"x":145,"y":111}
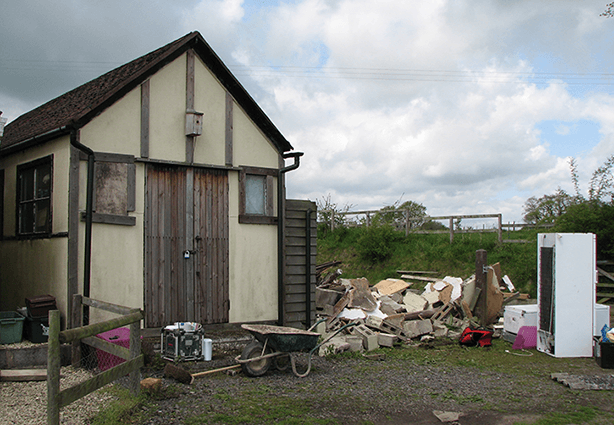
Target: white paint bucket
{"x":207,"y":349}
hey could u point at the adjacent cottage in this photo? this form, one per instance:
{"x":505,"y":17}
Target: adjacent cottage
{"x":158,"y":185}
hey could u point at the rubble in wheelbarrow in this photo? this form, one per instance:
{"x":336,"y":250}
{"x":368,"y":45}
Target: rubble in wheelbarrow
{"x":392,"y":313}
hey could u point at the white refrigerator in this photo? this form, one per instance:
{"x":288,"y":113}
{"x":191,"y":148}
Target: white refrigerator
{"x":567,"y":274}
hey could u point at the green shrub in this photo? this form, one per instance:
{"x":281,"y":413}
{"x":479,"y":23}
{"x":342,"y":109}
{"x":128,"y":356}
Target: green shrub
{"x":375,"y":244}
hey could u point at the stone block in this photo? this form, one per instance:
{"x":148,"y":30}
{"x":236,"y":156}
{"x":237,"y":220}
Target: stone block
{"x":151,"y":384}
{"x":374,"y":322}
{"x":386,"y":340}
{"x":416,"y":328}
{"x":355,"y":342}
{"x":369,"y":338}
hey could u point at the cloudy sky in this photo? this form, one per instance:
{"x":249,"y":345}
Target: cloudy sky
{"x":465,"y":106}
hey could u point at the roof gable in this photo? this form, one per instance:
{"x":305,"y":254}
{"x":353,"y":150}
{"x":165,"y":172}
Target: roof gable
{"x":80,"y":105}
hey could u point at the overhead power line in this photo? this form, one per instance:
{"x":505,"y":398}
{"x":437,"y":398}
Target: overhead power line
{"x":348,"y":73}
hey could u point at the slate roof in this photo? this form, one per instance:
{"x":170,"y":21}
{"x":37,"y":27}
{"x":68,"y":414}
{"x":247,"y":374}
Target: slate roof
{"x":80,"y":105}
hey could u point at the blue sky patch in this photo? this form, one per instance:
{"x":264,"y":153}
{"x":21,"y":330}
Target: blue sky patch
{"x":569,"y":138}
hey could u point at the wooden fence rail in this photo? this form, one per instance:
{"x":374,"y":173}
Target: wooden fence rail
{"x":134,"y":359}
{"x":407,"y":221}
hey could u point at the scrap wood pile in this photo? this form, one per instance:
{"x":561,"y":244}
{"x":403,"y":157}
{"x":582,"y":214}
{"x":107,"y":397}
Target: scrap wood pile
{"x":391,"y":312}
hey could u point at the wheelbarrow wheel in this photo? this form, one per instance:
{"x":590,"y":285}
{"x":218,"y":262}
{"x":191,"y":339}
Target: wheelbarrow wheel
{"x":255,"y":368}
{"x":282,"y":363}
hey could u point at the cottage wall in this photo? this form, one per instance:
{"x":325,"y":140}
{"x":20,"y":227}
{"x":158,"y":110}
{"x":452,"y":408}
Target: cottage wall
{"x":35,"y":266}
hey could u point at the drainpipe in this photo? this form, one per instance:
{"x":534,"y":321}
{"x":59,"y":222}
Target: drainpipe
{"x":74,"y":141}
{"x":281,"y":232}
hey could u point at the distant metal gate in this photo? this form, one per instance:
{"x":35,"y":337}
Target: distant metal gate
{"x":186,"y":245}
{"x":300,"y":257}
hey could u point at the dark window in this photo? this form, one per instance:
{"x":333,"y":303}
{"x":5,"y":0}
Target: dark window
{"x":34,"y":188}
{"x":256,"y":201}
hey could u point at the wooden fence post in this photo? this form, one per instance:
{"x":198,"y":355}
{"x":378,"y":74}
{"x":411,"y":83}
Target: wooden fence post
{"x":451,"y":229}
{"x":76,"y":322}
{"x":500,"y":228}
{"x":406,"y":223}
{"x":481,"y":264}
{"x":53,"y":368}
{"x":135,"y":351}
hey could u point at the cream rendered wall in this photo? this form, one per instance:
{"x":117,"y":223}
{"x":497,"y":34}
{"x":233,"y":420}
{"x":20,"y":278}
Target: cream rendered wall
{"x":210,"y":98}
{"x":35,"y":266}
{"x":250,"y":146}
{"x":253,"y":247}
{"x":117,"y":129}
{"x":167,"y":107}
{"x":117,"y":250}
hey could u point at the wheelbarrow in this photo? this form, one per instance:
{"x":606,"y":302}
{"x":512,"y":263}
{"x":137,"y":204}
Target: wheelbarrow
{"x":275,"y":345}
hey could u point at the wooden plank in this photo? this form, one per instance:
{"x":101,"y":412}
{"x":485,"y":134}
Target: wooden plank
{"x":188,"y":221}
{"x":53,"y":367}
{"x":145,"y":119}
{"x":90,"y":330}
{"x":101,"y":344}
{"x":103,"y":305}
{"x":481,"y":309}
{"x":190,"y":65}
{"x":228,"y":133}
{"x":73,"y":231}
{"x":415,"y":271}
{"x":78,"y":391}
{"x":606,"y":274}
{"x":23,"y":375}
{"x":426,"y":279}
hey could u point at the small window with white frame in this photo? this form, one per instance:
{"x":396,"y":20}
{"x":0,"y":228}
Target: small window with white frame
{"x":257,"y":194}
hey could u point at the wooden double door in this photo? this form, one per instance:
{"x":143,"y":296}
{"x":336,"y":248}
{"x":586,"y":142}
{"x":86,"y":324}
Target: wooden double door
{"x":186,"y":245}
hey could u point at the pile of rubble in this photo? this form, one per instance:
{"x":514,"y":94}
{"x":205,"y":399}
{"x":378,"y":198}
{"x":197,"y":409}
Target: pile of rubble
{"x":391,"y":312}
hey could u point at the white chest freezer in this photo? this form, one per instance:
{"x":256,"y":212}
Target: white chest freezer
{"x":517,"y":316}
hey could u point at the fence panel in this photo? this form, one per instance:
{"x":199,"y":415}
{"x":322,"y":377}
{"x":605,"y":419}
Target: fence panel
{"x":134,"y":359}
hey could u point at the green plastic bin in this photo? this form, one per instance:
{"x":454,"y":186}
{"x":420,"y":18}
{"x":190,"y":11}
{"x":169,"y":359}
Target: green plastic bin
{"x":11,"y":327}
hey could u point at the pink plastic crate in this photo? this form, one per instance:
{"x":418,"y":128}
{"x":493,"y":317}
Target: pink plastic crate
{"x":119,"y":336}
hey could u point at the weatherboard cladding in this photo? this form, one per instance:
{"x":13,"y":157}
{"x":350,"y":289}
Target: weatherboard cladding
{"x":78,"y":106}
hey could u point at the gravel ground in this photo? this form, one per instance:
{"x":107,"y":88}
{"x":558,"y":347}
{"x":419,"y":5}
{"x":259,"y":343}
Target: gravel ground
{"x":392,"y":391}
{"x":26,"y":402}
{"x":347,"y":390}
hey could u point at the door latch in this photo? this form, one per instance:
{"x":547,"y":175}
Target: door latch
{"x":187,"y":253}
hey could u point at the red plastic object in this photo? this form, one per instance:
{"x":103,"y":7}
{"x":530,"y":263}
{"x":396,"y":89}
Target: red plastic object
{"x":119,"y":336}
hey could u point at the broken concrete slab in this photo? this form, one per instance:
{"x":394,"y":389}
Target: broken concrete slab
{"x":361,"y":296}
{"x":447,"y":416}
{"x":386,"y":340}
{"x":414,"y":302}
{"x":389,"y":302}
{"x":325,"y":297}
{"x":416,"y":328}
{"x":374,"y":322}
{"x":355,"y":342}
{"x":431,"y":297}
{"x":390,"y":286}
{"x":585,"y":382}
{"x":335,"y":345}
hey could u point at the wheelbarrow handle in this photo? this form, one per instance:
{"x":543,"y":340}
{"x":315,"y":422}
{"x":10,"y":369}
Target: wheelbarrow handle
{"x":316,"y":324}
